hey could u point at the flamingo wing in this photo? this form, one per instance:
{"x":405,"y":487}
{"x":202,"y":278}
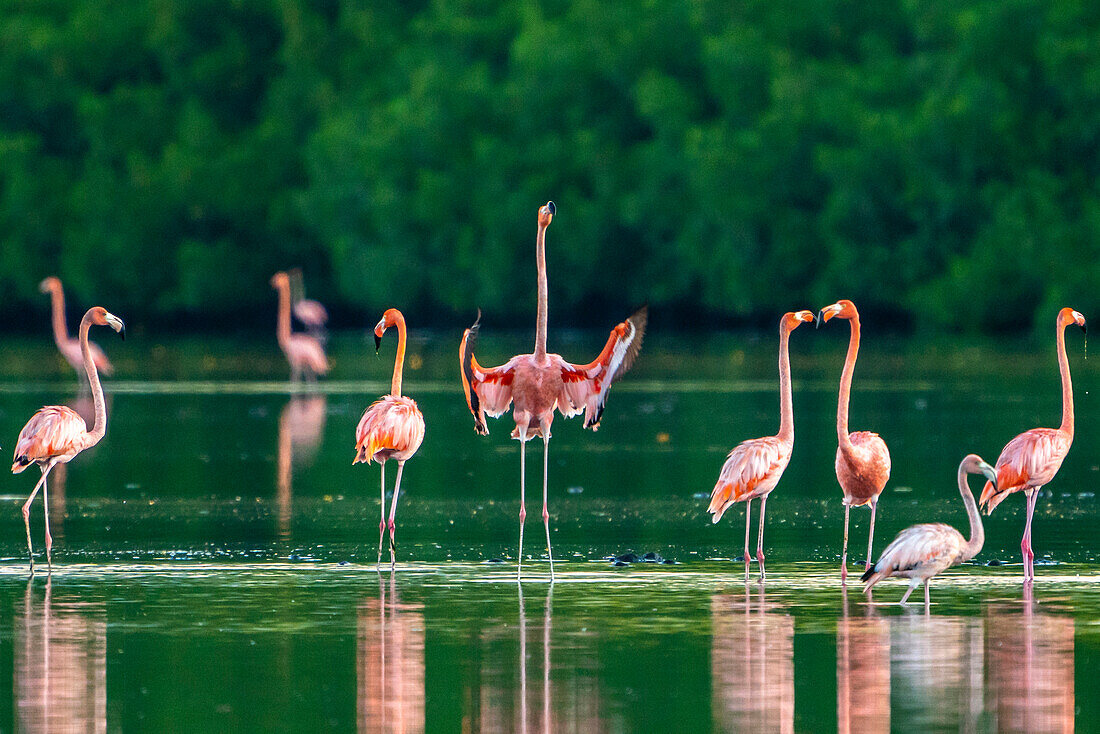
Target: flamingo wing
{"x":751,"y":470}
{"x":585,"y":387}
{"x":919,"y":550}
{"x":391,"y":426}
{"x":1029,"y":460}
{"x":488,"y":389}
{"x":310,"y":312}
{"x":310,"y":352}
{"x":52,"y":431}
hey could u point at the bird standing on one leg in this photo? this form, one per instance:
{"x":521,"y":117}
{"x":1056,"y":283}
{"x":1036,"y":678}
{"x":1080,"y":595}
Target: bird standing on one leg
{"x":754,"y":467}
{"x":539,"y":383}
{"x":391,"y":428}
{"x":57,"y":433}
{"x":862,"y":459}
{"x":1030,"y":461}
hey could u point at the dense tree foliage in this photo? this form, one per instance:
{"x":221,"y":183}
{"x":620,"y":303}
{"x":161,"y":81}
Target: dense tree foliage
{"x":937,"y":162}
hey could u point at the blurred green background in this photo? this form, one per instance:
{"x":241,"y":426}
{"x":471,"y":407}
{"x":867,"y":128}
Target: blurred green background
{"x":938,"y":162}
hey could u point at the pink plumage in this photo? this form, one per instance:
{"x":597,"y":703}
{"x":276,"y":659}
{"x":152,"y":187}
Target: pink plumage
{"x":304,"y":352}
{"x":391,"y":428}
{"x":54,"y":433}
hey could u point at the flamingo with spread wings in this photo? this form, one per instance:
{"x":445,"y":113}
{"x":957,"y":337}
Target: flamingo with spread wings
{"x":539,"y":383}
{"x":1030,"y":461}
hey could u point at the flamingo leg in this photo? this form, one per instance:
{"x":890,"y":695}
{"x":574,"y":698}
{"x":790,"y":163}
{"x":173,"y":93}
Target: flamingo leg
{"x":522,"y":500}
{"x":1025,"y":544}
{"x":760,"y":537}
{"x":382,"y":521}
{"x":871,"y":535}
{"x":927,"y":601}
{"x":844,"y":553}
{"x":748,"y":523}
{"x":49,"y":538}
{"x":27,"y":512}
{"x":393,"y":514}
{"x":905,"y":597}
{"x":545,"y":491}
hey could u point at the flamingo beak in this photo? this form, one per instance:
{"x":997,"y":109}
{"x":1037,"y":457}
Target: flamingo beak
{"x":44,"y":286}
{"x":1080,"y":320}
{"x":827,"y":313}
{"x":989,"y":472}
{"x":116,"y":323}
{"x":379,"y":330}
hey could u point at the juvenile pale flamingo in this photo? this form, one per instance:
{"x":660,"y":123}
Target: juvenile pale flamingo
{"x":923,"y":551}
{"x":862,"y":459}
{"x":754,"y":467}
{"x":303,"y":351}
{"x":391,"y":428}
{"x":308,"y":311}
{"x":57,"y":433}
{"x":1030,"y":461}
{"x":540,"y":382}
{"x":70,"y":348}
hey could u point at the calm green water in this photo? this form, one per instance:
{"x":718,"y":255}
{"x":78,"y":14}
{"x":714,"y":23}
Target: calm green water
{"x":216,"y":553}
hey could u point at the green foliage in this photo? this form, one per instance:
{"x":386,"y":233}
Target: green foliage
{"x":933,"y":161}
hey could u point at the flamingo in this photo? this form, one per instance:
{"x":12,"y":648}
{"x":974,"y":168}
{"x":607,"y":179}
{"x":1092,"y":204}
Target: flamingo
{"x":303,"y":351}
{"x":862,"y":459}
{"x":754,"y":467}
{"x":309,"y":312}
{"x":1030,"y":461}
{"x":391,"y":428}
{"x":926,"y":550}
{"x":70,"y":348}
{"x":540,"y":382}
{"x":57,"y":433}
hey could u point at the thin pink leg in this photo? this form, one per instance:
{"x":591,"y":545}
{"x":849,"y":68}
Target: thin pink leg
{"x":49,"y":538}
{"x":912,"y":585}
{"x":844,"y":553}
{"x":545,"y":511}
{"x":760,"y":538}
{"x":1025,"y":544}
{"x":382,"y":521}
{"x":871,"y":535}
{"x":522,"y":500}
{"x":27,"y":513}
{"x":748,"y":522}
{"x":393,"y":513}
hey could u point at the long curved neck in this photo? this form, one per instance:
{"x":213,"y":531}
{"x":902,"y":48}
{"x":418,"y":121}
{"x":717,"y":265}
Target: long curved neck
{"x":786,"y":408}
{"x":977,"y":532}
{"x":282,"y":327}
{"x":100,"y":426}
{"x":1067,"y":383}
{"x":57,"y":304}
{"x":399,"y":361}
{"x":540,"y":325}
{"x":846,"y":385}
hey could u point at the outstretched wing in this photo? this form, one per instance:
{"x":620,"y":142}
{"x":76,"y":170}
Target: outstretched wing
{"x":488,"y":389}
{"x":585,"y":387}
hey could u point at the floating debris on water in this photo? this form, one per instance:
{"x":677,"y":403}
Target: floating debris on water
{"x":574,"y":490}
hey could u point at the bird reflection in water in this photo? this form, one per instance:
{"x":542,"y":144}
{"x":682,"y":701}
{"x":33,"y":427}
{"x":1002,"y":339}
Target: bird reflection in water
{"x":301,"y":425}
{"x":60,"y":665}
{"x":1030,"y":669}
{"x":752,"y":664}
{"x":390,"y":658}
{"x":862,"y":671}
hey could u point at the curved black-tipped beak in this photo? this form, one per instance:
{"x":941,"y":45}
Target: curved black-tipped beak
{"x":817,"y":321}
{"x":990,"y":474}
{"x":553,"y":209}
{"x":122,"y":332}
{"x":1084,"y":329}
{"x":377,"y":343}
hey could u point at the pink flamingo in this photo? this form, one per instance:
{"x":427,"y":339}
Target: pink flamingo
{"x":1030,"y":461}
{"x":57,"y":433}
{"x":391,"y":428}
{"x":754,"y":467}
{"x":923,"y":551}
{"x":862,"y":459}
{"x":309,"y":312}
{"x":303,"y":351}
{"x":70,"y":348}
{"x":540,"y":382}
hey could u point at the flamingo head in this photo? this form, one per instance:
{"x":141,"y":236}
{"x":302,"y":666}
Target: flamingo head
{"x":546,"y":214}
{"x":280,"y":280}
{"x":973,"y":464}
{"x":390,"y":318}
{"x":793,"y":319}
{"x":1068,"y":316}
{"x":843,"y":308}
{"x":48,"y":285}
{"x":102,"y":317}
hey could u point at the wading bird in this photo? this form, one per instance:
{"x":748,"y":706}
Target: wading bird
{"x":862,"y":459}
{"x":1030,"y":461}
{"x":57,"y":433}
{"x":923,"y":551}
{"x":70,"y":348}
{"x":391,"y":428}
{"x":310,"y":312}
{"x":540,"y":382}
{"x":754,"y":467}
{"x":303,"y":351}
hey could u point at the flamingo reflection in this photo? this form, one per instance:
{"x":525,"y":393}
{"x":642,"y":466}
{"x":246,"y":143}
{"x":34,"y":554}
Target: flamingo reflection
{"x":752,"y":664}
{"x":862,"y":672}
{"x":301,"y":425}
{"x":390,"y":658}
{"x":60,"y":665}
{"x":1030,"y":670}
{"x":939,"y":663}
